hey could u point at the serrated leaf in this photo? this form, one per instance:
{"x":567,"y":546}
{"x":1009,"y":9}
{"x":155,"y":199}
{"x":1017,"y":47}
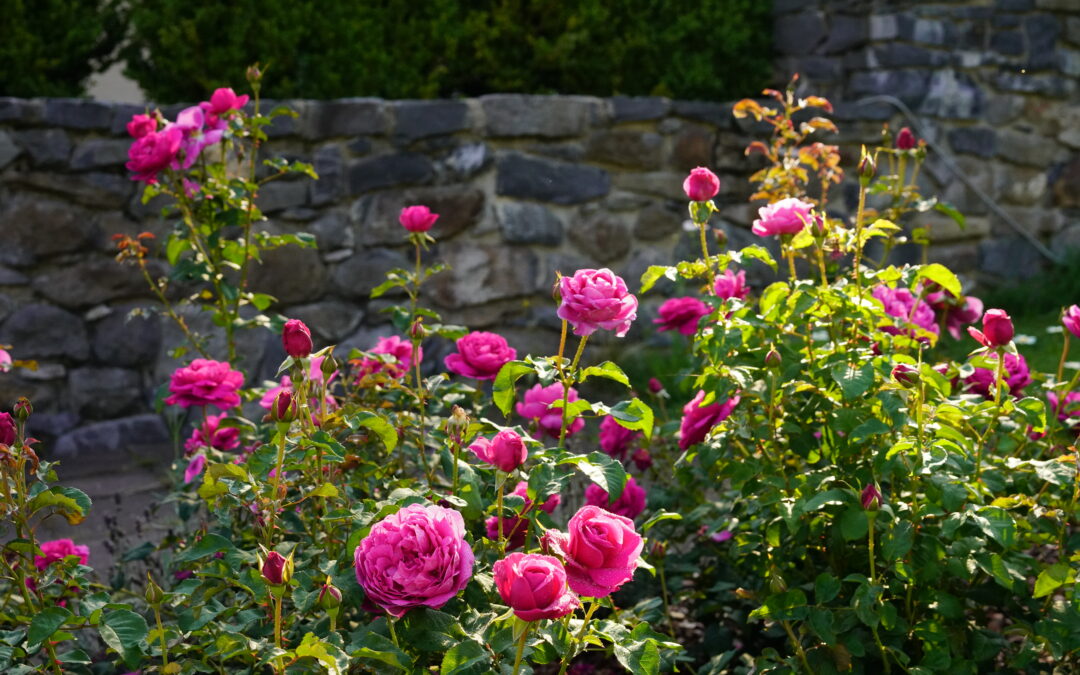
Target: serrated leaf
{"x":1052,"y":578}
{"x":996,"y":523}
{"x":634,"y":414}
{"x":606,"y":369}
{"x":43,"y":625}
{"x":72,"y":503}
{"x":942,"y":276}
{"x":377,"y":648}
{"x":605,"y":471}
{"x":124,"y":631}
{"x":503,"y":389}
{"x":325,"y":490}
{"x":377,"y":423}
{"x":464,"y":657}
{"x":854,"y":381}
{"x":639,"y":656}
{"x":654,"y":273}
{"x":826,"y":588}
{"x":323,"y":652}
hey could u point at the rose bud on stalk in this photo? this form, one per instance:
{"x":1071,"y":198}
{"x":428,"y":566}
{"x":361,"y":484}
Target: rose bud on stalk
{"x":701,"y":185}
{"x":905,"y":374}
{"x":284,"y":408}
{"x":275,"y":568}
{"x":296,"y":337}
{"x":871,"y":497}
{"x":417,"y":218}
{"x":997,"y":329}
{"x":905,"y":140}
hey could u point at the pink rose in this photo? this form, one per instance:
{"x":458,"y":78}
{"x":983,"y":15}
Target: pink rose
{"x":698,"y":420}
{"x":908,"y":308}
{"x":549,"y":505}
{"x":480,"y":355}
{"x":58,"y":549}
{"x":514,"y":529}
{"x":534,"y":586}
{"x":296,"y":338}
{"x":276,"y":569}
{"x":5,"y":361}
{"x":140,"y":125}
{"x":415,"y":557}
{"x":506,"y":451}
{"x":681,"y":314}
{"x":536,"y":404}
{"x":1017,"y":376}
{"x":701,"y":185}
{"x":956,"y":313}
{"x":153,"y":153}
{"x":402,"y":362}
{"x":870,"y":497}
{"x":997,"y":329}
{"x":205,"y":382}
{"x":211,"y":433}
{"x":630,"y":503}
{"x":1071,"y":320}
{"x":224,"y":100}
{"x":601,"y":550}
{"x":194,"y":468}
{"x":615,"y":439}
{"x":594,"y":299}
{"x":731,"y":285}
{"x":417,"y":218}
{"x":642,"y":459}
{"x":655,"y":385}
{"x":905,"y":140}
{"x":787,"y":216}
{"x":1066,"y":408}
{"x":7,"y":429}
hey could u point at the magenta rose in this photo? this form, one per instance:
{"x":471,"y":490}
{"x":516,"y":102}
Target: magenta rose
{"x":954,"y":312}
{"x":505,"y":451}
{"x":211,"y":433}
{"x":1071,"y":320}
{"x":534,"y":586}
{"x":787,"y":216}
{"x":600,"y":549}
{"x":7,"y":429}
{"x":630,"y":503}
{"x":615,"y":439}
{"x":536,"y":405}
{"x":417,"y":218}
{"x":681,"y":314}
{"x":402,"y":362}
{"x":296,"y":338}
{"x":905,"y":140}
{"x":154,"y":152}
{"x":698,"y":420}
{"x":140,"y":125}
{"x":642,"y":459}
{"x":731,"y":285}
{"x":194,"y":468}
{"x":276,"y":569}
{"x":224,"y":100}
{"x":1017,"y":376}
{"x":514,"y":530}
{"x":480,"y":355}
{"x":596,"y":299}
{"x":58,"y":549}
{"x":205,"y":382}
{"x":701,"y":185}
{"x":415,"y":557}
{"x":549,"y":505}
{"x":997,"y":329}
{"x":870,"y":497}
{"x":908,"y":308}
{"x":1066,"y":408}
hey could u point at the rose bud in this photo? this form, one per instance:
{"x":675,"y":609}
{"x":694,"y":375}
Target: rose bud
{"x":275,"y":568}
{"x":871,"y":497}
{"x":642,"y":459}
{"x":866,"y":169}
{"x":905,"y":140}
{"x":997,"y":329}
{"x":328,"y":367}
{"x":905,"y":374}
{"x":505,"y":451}
{"x":1071,"y":320}
{"x":458,"y":424}
{"x":773,"y":359}
{"x":297,"y":339}
{"x":329,"y":596}
{"x":23,"y":409}
{"x":701,"y":185}
{"x":655,"y":385}
{"x":417,"y":218}
{"x":284,"y":408}
{"x":154,"y":593}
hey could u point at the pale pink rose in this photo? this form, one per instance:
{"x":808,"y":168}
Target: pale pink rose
{"x":205,"y":382}
{"x":698,"y":420}
{"x":480,"y":355}
{"x":787,"y":216}
{"x":534,"y":586}
{"x":681,"y":314}
{"x":600,"y":549}
{"x":536,"y":404}
{"x":630,"y":503}
{"x":58,"y":549}
{"x":596,"y":299}
{"x":5,"y":361}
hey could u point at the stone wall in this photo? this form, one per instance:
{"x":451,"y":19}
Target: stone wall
{"x":996,"y":83}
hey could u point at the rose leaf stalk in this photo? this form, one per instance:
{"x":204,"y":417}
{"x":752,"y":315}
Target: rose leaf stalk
{"x":521,"y":646}
{"x":568,"y":380}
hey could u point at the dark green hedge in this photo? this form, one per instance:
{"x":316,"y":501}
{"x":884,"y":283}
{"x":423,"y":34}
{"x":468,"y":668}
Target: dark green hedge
{"x":709,"y":49}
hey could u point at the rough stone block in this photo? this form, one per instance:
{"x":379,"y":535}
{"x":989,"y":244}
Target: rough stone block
{"x":77,"y":113}
{"x":639,"y":108}
{"x":101,"y":393}
{"x":9,"y":150}
{"x":845,"y":33}
{"x":1028,"y":149}
{"x":910,"y":86}
{"x":43,"y":226}
{"x":693,"y":147}
{"x":799,"y":34}
{"x":718,"y":114}
{"x":96,"y":153}
{"x":626,"y":147}
{"x":404,"y":168}
{"x":903,"y":55}
{"x":93,"y":281}
{"x":46,"y":147}
{"x":333,"y":232}
{"x":603,"y":238}
{"x":951,"y":94}
{"x":480,"y":273}
{"x":330,"y":166}
{"x":421,"y":119}
{"x":375,"y":217}
{"x":510,"y":115}
{"x":981,"y":141}
{"x":1067,"y":186}
{"x":106,"y":446}
{"x":548,"y":181}
{"x":1009,"y":258}
{"x":130,"y":337}
{"x":524,"y":223}
{"x":662,"y":184}
{"x":345,"y":117}
{"x":1007,"y":42}
{"x":100,"y":190}
{"x":329,"y":320}
{"x":20,"y":110}
{"x":279,"y":195}
{"x":657,"y":222}
{"x":292,"y":274}
{"x":466,"y":160}
{"x":43,"y":331}
{"x":366,"y":269}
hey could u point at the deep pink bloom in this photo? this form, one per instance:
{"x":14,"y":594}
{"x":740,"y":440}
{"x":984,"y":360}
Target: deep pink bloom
{"x":276,"y":569}
{"x":615,"y":439}
{"x":681,"y":314}
{"x":151,"y":154}
{"x":7,"y":429}
{"x":211,"y":433}
{"x":642,"y":459}
{"x":205,"y":382}
{"x":401,"y":364}
{"x":701,"y":185}
{"x":417,"y":218}
{"x":549,"y":505}
{"x":58,"y":549}
{"x":955,"y":313}
{"x":225,"y":99}
{"x":296,"y":338}
{"x":731,"y":285}
{"x":722,"y":536}
{"x":905,"y":140}
{"x":1017,"y":376}
{"x":415,"y":557}
{"x":698,"y":420}
{"x":1071,"y":320}
{"x":787,"y":216}
{"x":1069,"y":407}
{"x":505,"y":451}
{"x":596,"y":299}
{"x":140,"y":125}
{"x":480,"y":355}
{"x":997,"y":328}
{"x":600,"y":549}
{"x":655,"y":385}
{"x":316,"y":376}
{"x":630,"y":503}
{"x":536,"y":404}
{"x":908,"y":308}
{"x":534,"y":586}
{"x":514,"y":530}
{"x":194,"y":468}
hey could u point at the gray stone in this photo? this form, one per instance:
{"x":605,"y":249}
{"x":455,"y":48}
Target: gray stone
{"x":509,"y":115}
{"x":907,"y":85}
{"x":465,"y":161}
{"x":78,"y":113}
{"x":952,"y":95}
{"x":662,"y":184}
{"x":130,"y":336}
{"x":282,"y":194}
{"x":286,"y":125}
{"x":7,"y":306}
{"x":480,"y":273}
{"x":1004,"y":108}
{"x":1042,"y":31}
{"x":524,"y":223}
{"x":388,"y":171}
{"x":8,"y":149}
{"x":329,"y":320}
{"x":20,"y":110}
{"x":333,"y":232}
{"x":1008,"y":42}
{"x":1033,"y":220}
{"x":693,"y":147}
{"x":569,"y":151}
{"x":799,"y":34}
{"x":9,"y":277}
{"x":330,"y":166}
{"x":929,"y":31}
{"x":1029,"y":149}
{"x":42,"y":226}
{"x":603,"y":238}
{"x":958,"y":257}
{"x":1072,"y":29}
{"x":108,"y":446}
{"x":1009,"y":258}
{"x":96,"y":153}
{"x":815,"y":70}
{"x":1026,"y":186}
{"x":1014,"y":5}
{"x":51,"y":425}
{"x":981,"y":141}
{"x":345,"y":117}
{"x":626,"y":147}
{"x":639,"y":108}
{"x":292,"y":274}
{"x":704,"y":111}
{"x":884,"y":27}
{"x":657,"y":222}
{"x":43,"y":331}
{"x":366,"y":269}
{"x":1049,"y":85}
{"x":1067,"y":186}
{"x":375,"y":217}
{"x":94,"y":281}
{"x":549,"y":181}
{"x":420,"y":119}
{"x":1068,"y":239}
{"x":46,"y":147}
{"x":903,"y":55}
{"x":845,"y":33}
{"x":100,"y":190}
{"x":101,"y":393}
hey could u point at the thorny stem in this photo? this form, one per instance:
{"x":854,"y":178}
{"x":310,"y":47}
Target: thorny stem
{"x":278,"y":664}
{"x":798,"y":647}
{"x":275,"y":483}
{"x":169,"y":310}
{"x":664,"y":595}
{"x":419,"y":383}
{"x":572,"y":651}
{"x":568,"y":379}
{"x":859,"y":214}
{"x":499,"y":517}
{"x":705,"y":256}
{"x":521,"y":647}
{"x":248,"y":222}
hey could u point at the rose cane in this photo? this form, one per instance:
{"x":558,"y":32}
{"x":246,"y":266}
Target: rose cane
{"x":418,"y":220}
{"x":283,"y":412}
{"x":154,"y":595}
{"x":276,"y":570}
{"x":700,"y":187}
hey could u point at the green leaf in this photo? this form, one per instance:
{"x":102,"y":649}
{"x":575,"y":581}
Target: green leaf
{"x":1034,"y":411}
{"x":898,"y":541}
{"x":71,"y":503}
{"x":654,"y":274}
{"x":606,"y":369}
{"x":377,"y":423}
{"x":821,"y":621}
{"x":854,"y":524}
{"x":663,"y":515}
{"x":209,"y":545}
{"x":787,"y":606}
{"x":261,"y":300}
{"x":43,"y":625}
{"x":175,"y":246}
{"x":941,"y":276}
{"x":502,"y":392}
{"x":952,"y":212}
{"x":325,"y":653}
{"x":1052,"y":578}
{"x":634,"y":414}
{"x":996,"y":523}
{"x":124,"y":631}
{"x":773,"y":296}
{"x":325,"y":490}
{"x":378,"y":648}
{"x":464,"y":657}
{"x":834,"y":496}
{"x":826,"y":588}
{"x":605,"y":471}
{"x":854,"y":382}
{"x":639,"y":656}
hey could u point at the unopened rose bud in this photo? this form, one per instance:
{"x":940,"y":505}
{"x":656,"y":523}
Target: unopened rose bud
{"x":701,"y":185}
{"x":328,"y":366}
{"x":905,"y":374}
{"x":296,"y":337}
{"x":905,"y":140}
{"x":773,"y":359}
{"x":23,"y":408}
{"x":777,"y":583}
{"x":458,"y":423}
{"x":284,"y":407}
{"x":655,"y":385}
{"x":997,"y":326}
{"x":254,"y":74}
{"x":329,"y":596}
{"x":417,"y":330}
{"x":866,"y":168}
{"x":275,"y":568}
{"x":659,"y":549}
{"x":871,"y":497}
{"x":154,"y":594}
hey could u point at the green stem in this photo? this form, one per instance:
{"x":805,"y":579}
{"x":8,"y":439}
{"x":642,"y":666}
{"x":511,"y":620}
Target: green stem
{"x":798,"y":648}
{"x":572,"y":651}
{"x":279,"y":665}
{"x":664,"y":595}
{"x":164,"y":644}
{"x":521,"y":647}
{"x":393,"y":634}
{"x":275,"y":483}
{"x":859,"y":215}
{"x":871,"y":516}
{"x":499,"y":516}
{"x":568,"y":380}
{"x":705,"y":257}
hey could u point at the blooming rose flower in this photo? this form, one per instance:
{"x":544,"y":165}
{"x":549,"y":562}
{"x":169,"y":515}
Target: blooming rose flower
{"x":534,"y":586}
{"x":514,"y":530}
{"x":1066,"y":408}
{"x":595,"y":299}
{"x":600,"y":549}
{"x":698,"y":420}
{"x":536,"y":404}
{"x":787,"y":216}
{"x":417,"y":218}
{"x":701,"y":185}
{"x":7,"y":429}
{"x":642,"y":459}
{"x":192,"y":122}
{"x":205,"y":382}
{"x":224,"y":100}
{"x":615,"y":439}
{"x":902,"y":304}
{"x":415,"y":557}
{"x":154,"y":152}
{"x":58,"y":549}
{"x":1071,"y":320}
{"x":402,"y":352}
{"x":211,"y":433}
{"x":1017,"y":376}
{"x":140,"y":125}
{"x":480,"y":355}
{"x":905,"y":140}
{"x":549,"y":505}
{"x":997,"y":329}
{"x":296,"y":338}
{"x":194,"y":468}
{"x":731,"y":285}
{"x":953,"y":312}
{"x":681,"y":314}
{"x":315,"y":374}
{"x":630,"y":503}
{"x":505,"y":451}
